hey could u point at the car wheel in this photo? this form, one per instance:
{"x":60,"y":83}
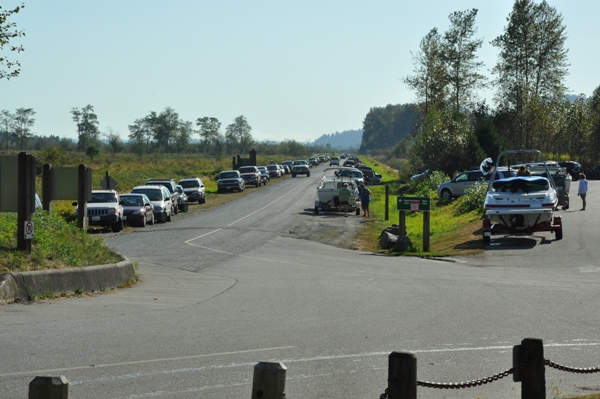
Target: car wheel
{"x":308,"y":174}
{"x":316,"y":210}
{"x":169,"y":218}
{"x":152,"y":219}
{"x":357,"y":211}
{"x":446,"y":194}
{"x":143,"y":223}
{"x":175,"y":210}
{"x":118,"y":226}
{"x":293,"y":175}
{"x":186,"y":207}
{"x":257,"y":184}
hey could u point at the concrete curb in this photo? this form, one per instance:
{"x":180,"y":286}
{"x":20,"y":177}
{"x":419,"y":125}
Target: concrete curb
{"x":43,"y":283}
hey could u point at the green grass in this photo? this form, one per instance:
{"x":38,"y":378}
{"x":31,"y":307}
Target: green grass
{"x":56,"y":244}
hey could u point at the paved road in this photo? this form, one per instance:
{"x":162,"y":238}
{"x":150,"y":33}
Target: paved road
{"x":223,"y":290}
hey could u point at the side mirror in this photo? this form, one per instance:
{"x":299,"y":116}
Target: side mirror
{"x":74,"y":203}
{"x":121,"y":202}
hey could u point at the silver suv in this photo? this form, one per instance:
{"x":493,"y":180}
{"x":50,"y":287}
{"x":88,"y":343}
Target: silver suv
{"x":194,"y":189}
{"x":160,"y":198}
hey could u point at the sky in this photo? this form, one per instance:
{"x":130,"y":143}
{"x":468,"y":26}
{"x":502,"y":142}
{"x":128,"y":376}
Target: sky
{"x":296,"y":69}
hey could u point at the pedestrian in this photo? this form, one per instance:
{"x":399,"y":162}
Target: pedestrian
{"x":365,"y":198}
{"x":583,"y":188}
{"x":344,"y":196}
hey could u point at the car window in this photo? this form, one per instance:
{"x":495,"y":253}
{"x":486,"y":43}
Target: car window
{"x":103,"y":197}
{"x":474,"y":176}
{"x":189,"y":184}
{"x":461,"y":178}
{"x":153,"y":195}
{"x":246,"y":169}
{"x":228,"y":175}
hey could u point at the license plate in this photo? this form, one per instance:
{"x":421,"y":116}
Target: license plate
{"x":95,"y":218}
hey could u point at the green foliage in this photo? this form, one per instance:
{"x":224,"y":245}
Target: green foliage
{"x":92,"y":151}
{"x":383,"y":127}
{"x":57,"y":243}
{"x":473,"y":199}
{"x":429,"y":186}
{"x":9,"y":32}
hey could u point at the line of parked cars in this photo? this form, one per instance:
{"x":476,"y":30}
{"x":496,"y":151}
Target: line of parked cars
{"x":156,"y":200}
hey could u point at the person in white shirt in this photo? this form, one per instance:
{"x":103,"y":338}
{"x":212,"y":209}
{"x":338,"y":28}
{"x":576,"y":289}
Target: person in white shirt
{"x":583,"y":188}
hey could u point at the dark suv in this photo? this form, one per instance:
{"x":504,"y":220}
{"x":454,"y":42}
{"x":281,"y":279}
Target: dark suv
{"x":573,"y":168}
{"x":194,"y":189}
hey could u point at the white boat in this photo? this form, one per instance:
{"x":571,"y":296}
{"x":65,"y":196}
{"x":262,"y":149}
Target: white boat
{"x":328,"y":191}
{"x":521,"y":205}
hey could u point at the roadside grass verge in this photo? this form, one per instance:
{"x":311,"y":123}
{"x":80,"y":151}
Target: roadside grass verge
{"x":452,"y":233}
{"x":57,"y":244}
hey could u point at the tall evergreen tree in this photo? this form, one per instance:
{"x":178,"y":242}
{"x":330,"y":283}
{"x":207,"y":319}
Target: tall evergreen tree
{"x":87,"y":126}
{"x":23,"y":120}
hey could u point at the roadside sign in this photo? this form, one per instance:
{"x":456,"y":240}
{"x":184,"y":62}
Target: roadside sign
{"x":107,"y":182}
{"x":29,"y":230}
{"x":414,"y":204}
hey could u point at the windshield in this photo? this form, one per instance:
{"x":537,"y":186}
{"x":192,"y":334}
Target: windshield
{"x":132,"y":200}
{"x":103,"y":197}
{"x":248,"y":169}
{"x":272,"y":167}
{"x":228,"y":175}
{"x":300,"y":162}
{"x":189,"y":184}
{"x":153,"y":195}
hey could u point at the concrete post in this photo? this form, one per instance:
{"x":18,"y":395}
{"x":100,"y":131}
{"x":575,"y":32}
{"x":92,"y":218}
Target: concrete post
{"x":49,"y":388}
{"x":269,"y":381}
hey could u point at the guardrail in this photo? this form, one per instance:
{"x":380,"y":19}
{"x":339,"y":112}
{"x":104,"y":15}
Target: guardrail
{"x":268,"y":382}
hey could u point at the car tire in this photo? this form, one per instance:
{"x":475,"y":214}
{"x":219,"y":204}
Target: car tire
{"x":559,"y":234}
{"x":169,"y":217}
{"x":152,"y":220}
{"x":293,"y":175}
{"x":257,"y":184}
{"x":316,"y":210}
{"x":446,"y":194}
{"x":186,"y":207}
{"x":143,"y":223}
{"x":357,"y":211}
{"x":116,"y":227}
{"x":308,"y":174}
{"x":175,"y":210}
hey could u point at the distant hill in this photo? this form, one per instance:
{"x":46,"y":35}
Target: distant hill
{"x":341,"y":141}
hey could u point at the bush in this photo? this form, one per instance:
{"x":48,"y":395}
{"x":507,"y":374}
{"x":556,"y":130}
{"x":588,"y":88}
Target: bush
{"x":473,"y":199}
{"x":431,"y":183}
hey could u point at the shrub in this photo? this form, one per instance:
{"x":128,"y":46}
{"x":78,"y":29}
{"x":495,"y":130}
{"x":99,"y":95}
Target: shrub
{"x":473,"y":199}
{"x":431,"y":183}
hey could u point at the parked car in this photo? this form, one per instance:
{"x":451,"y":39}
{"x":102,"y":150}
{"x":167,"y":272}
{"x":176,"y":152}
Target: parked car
{"x":421,"y":175}
{"x":334,"y":161}
{"x":314,"y":161}
{"x":105,"y":209}
{"x":230,"y":180}
{"x":288,"y":165}
{"x":251,"y":175}
{"x":459,"y":184}
{"x":137,"y":209}
{"x":368,"y":173}
{"x":594,"y":173}
{"x":353,"y":173}
{"x":160,"y":198}
{"x":300,"y":167}
{"x":287,"y":169}
{"x":264,"y":174}
{"x":170,"y":185}
{"x":194,"y":189}
{"x":573,"y":168}
{"x":274,"y":170}
{"x":182,"y":203}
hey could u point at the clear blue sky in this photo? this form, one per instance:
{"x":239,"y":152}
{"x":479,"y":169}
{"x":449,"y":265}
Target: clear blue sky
{"x":294,"y":69}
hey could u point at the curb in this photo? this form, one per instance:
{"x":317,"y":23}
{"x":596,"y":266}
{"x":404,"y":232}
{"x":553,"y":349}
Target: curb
{"x":49,"y":283}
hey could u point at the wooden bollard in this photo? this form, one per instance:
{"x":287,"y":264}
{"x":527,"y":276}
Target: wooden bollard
{"x":269,"y":381}
{"x":402,"y":376}
{"x":533,"y":373}
{"x":49,"y":388}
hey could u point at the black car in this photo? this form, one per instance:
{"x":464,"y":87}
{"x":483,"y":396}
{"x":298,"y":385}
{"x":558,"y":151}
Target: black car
{"x":230,"y":180}
{"x":573,"y":168}
{"x":594,"y":173}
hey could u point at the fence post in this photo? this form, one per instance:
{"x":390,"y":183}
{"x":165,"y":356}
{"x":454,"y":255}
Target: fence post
{"x":49,"y":388}
{"x":387,"y":202}
{"x":533,"y":372}
{"x":402,"y":376}
{"x":269,"y":381}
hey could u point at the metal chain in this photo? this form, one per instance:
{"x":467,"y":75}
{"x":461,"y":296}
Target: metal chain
{"x":384,"y":395}
{"x":572,"y":369}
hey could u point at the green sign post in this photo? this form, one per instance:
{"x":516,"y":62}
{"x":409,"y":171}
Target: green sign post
{"x":415,"y":204}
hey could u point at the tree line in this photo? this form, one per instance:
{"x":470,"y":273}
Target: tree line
{"x":450,"y":129}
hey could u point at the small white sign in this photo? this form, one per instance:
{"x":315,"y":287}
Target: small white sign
{"x":29,"y":230}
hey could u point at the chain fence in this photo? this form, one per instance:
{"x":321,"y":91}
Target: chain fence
{"x":496,"y":377}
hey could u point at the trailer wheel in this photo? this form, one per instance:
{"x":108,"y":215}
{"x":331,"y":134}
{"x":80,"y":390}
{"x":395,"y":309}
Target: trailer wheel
{"x":559,"y":234}
{"x":316,"y":210}
{"x":357,"y":211}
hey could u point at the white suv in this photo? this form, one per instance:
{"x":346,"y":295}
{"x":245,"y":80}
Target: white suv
{"x":105,"y":209}
{"x":160,"y":198}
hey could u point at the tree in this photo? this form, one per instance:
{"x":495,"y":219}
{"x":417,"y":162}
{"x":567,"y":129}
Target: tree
{"x":430,"y":79}
{"x":6,"y":125}
{"x":209,"y":130}
{"x":114,"y":142}
{"x":92,"y":151}
{"x":8,"y":32}
{"x":87,"y":126}
{"x":164,"y":127}
{"x":141,"y":135}
{"x":183,"y":135}
{"x":384,"y":127}
{"x":532,"y":64}
{"x":460,"y":58}
{"x":237,"y":136}
{"x":23,"y":120}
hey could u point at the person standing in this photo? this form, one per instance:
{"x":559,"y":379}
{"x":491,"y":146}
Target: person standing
{"x":365,"y":198}
{"x":583,"y":188}
{"x":344,"y":196}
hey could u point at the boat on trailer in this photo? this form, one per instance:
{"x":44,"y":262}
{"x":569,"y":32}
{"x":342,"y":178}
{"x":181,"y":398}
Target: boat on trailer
{"x":521,"y":205}
{"x":328,"y":192}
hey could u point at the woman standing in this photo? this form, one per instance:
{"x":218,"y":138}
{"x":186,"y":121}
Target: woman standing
{"x":583,"y":188}
{"x":365,"y":198}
